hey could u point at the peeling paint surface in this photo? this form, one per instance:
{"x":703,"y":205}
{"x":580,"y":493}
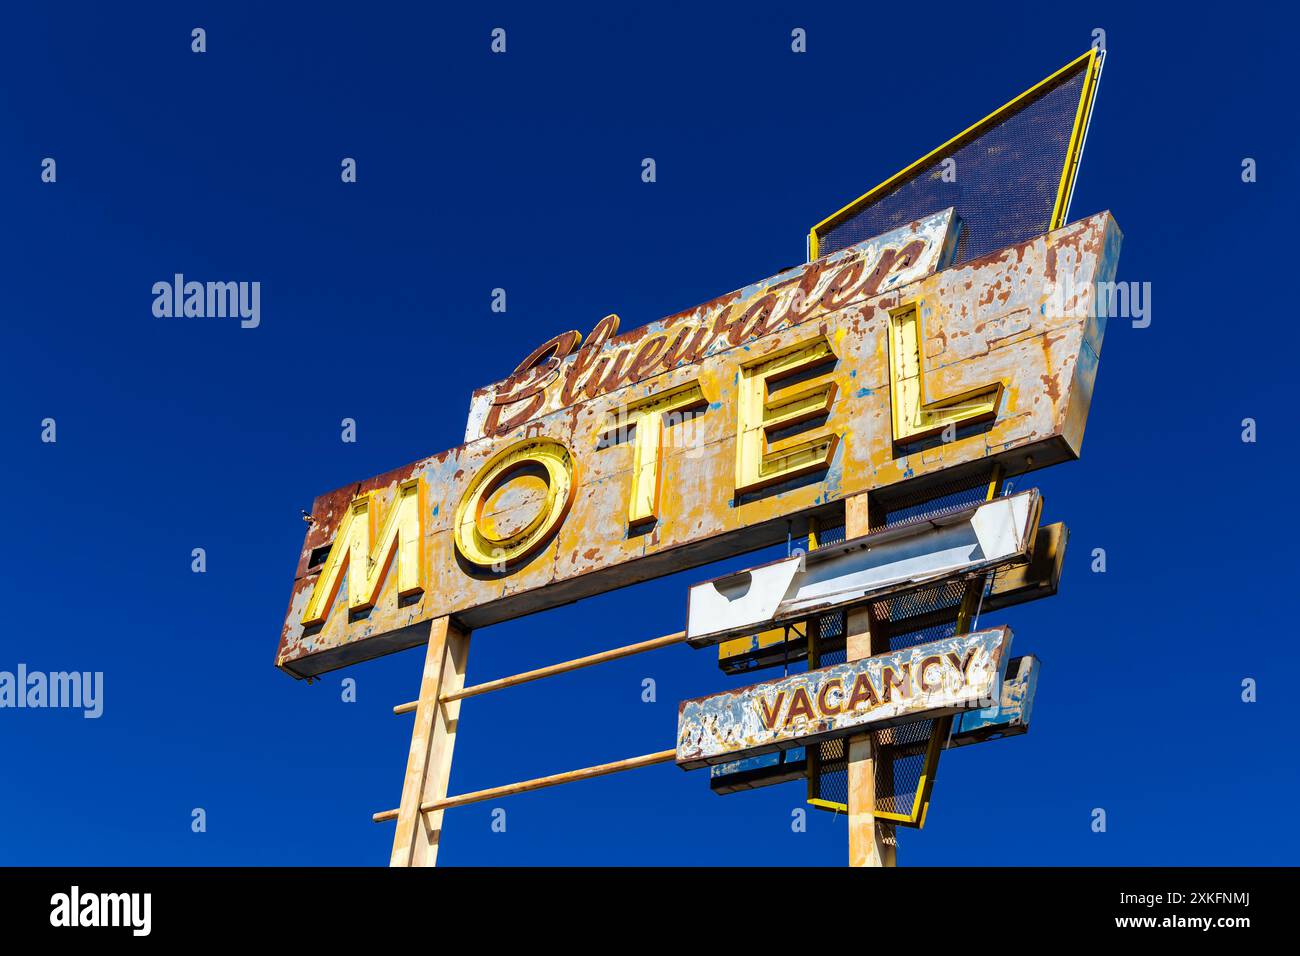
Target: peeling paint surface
{"x":915,"y":683}
{"x":1023,"y":316}
{"x":1011,"y":714}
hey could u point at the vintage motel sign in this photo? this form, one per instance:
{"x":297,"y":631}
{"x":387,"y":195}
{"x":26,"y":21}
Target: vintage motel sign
{"x":945,"y":329}
{"x":916,"y":683}
{"x":767,"y":405}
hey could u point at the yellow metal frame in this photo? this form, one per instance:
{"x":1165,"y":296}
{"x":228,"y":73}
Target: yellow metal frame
{"x":929,"y":770}
{"x":924,"y":787}
{"x":772,"y":637}
{"x":1074,"y":150}
{"x":831,"y":805}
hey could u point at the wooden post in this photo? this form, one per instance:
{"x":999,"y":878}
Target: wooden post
{"x":428,"y":765}
{"x":872,"y":842}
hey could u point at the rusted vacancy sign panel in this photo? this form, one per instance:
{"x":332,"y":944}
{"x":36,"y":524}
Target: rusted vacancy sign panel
{"x":616,"y":458}
{"x":915,"y":683}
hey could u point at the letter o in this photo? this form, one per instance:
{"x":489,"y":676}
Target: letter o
{"x":486,"y":549}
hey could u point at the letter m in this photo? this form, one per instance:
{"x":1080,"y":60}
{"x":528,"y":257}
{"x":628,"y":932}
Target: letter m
{"x":365,"y":550}
{"x":1112,"y":300}
{"x":223,"y":300}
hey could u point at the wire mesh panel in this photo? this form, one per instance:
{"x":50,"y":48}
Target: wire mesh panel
{"x":937,"y":500}
{"x":828,"y":648}
{"x":900,"y":765}
{"x":936,"y":602}
{"x":933,"y":632}
{"x":831,"y":534}
{"x":832,"y":783}
{"x":831,"y":765}
{"x":1003,"y":176}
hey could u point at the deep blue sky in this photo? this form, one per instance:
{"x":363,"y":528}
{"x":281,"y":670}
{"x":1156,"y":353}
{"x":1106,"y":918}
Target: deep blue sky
{"x":523,"y":171}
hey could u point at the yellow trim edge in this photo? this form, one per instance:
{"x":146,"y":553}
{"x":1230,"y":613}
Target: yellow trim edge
{"x":1073,"y":152}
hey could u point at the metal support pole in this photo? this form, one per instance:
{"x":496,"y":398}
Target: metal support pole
{"x":872,"y":842}
{"x":428,"y":765}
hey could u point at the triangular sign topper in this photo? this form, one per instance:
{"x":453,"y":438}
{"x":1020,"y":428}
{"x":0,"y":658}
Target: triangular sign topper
{"x":1010,"y":176}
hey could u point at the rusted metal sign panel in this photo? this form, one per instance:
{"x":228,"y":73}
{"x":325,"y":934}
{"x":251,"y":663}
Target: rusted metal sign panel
{"x":982,"y":537}
{"x":915,"y":683}
{"x":662,"y":450}
{"x":1010,"y":715}
{"x":754,"y":773}
{"x":1008,"y":718}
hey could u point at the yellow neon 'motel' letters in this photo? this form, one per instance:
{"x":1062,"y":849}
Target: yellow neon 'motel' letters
{"x":540,"y":462}
{"x":647,"y":416}
{"x":914,"y":415}
{"x":367,"y":556}
{"x":765,"y":406}
{"x":521,"y":496}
